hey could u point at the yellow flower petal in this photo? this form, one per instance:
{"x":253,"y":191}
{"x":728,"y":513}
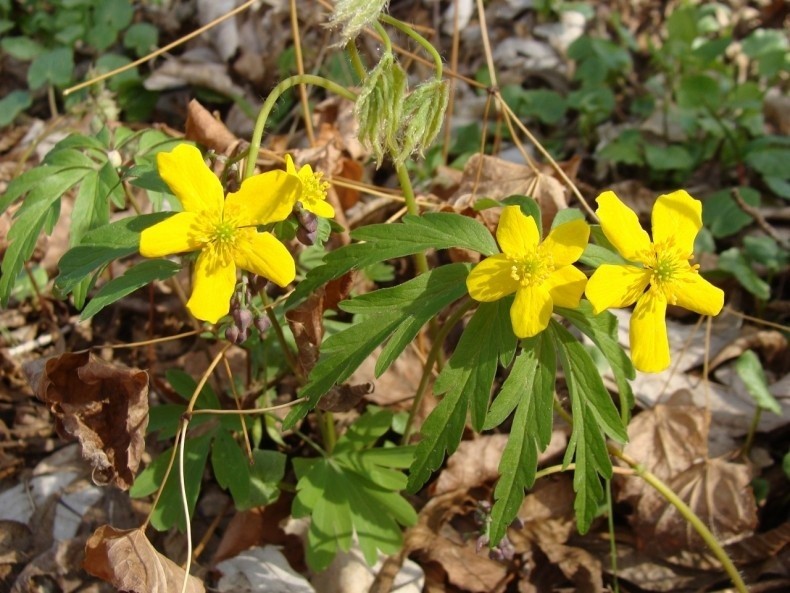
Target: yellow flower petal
{"x":190,"y":179}
{"x":677,"y":218}
{"x":531,"y":311}
{"x":517,"y":234}
{"x":695,"y":293}
{"x":566,"y":242}
{"x":621,"y":226}
{"x":213,"y":283}
{"x":176,"y":234}
{"x":648,"y":333}
{"x":261,"y":199}
{"x":320,"y":208}
{"x":616,"y":286}
{"x":290,"y":167}
{"x":566,"y":286}
{"x":491,"y":279}
{"x":263,"y":254}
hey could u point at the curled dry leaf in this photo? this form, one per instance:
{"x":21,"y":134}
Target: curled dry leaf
{"x":207,"y":130}
{"x":102,"y":405}
{"x":128,"y":561}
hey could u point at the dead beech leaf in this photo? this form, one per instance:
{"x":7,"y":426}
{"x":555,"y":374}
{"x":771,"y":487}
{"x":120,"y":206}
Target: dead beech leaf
{"x":102,"y":405}
{"x":718,"y":492}
{"x":127,"y":560}
{"x":491,"y":177}
{"x":760,"y":546}
{"x":667,"y":440}
{"x":307,"y":326}
{"x":207,"y":130}
{"x":580,"y":567}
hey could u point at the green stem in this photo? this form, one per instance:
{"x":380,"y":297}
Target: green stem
{"x":433,"y":355}
{"x":426,"y":45}
{"x":326,"y":425}
{"x":612,"y":540}
{"x":356,"y":60}
{"x":420,"y":260}
{"x":747,"y":445}
{"x":384,"y":37}
{"x":271,"y":100}
{"x":700,"y":527}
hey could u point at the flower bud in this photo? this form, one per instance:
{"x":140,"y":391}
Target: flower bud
{"x":354,"y":15}
{"x":242,"y":319}
{"x":262,"y":324}
{"x":306,"y":237}
{"x":232,"y":334}
{"x":307,"y":220}
{"x":378,"y":106}
{"x":421,"y":119}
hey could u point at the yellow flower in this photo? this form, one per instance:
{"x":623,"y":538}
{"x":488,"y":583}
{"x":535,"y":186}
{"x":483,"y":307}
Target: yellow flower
{"x":540,"y":274}
{"x":313,"y":196}
{"x":223,"y":229}
{"x":665,"y":275}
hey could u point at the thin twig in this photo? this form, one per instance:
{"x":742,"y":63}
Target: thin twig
{"x":758,"y":218}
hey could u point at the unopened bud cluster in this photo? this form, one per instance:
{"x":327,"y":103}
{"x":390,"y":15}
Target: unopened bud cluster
{"x":352,"y":16}
{"x":392,"y":121}
{"x":243,"y":314}
{"x":307,"y":231}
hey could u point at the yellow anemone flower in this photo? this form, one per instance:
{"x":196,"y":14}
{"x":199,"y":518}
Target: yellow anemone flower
{"x":223,"y":229}
{"x":540,"y":273}
{"x":313,"y":196}
{"x":665,"y":276}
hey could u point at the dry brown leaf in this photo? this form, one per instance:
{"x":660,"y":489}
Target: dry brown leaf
{"x":128,"y":561}
{"x":491,"y":177}
{"x":207,"y":130}
{"x":770,"y":343}
{"x":307,"y":326}
{"x":102,"y":405}
{"x":397,"y":385}
{"x":436,"y":541}
{"x":718,"y":492}
{"x":580,"y":567}
{"x":667,"y":440}
{"x":56,"y":569}
{"x":760,"y":546}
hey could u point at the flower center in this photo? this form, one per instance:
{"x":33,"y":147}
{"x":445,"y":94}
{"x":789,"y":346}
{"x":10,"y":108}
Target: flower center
{"x":667,"y":263}
{"x":223,"y":236}
{"x":313,"y":189}
{"x":533,"y":269}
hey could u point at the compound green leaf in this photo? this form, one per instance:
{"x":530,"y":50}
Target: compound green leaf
{"x":379,"y":242}
{"x":53,"y":67}
{"x":466,"y":381}
{"x":230,"y":466}
{"x":530,"y":388}
{"x":134,"y":278}
{"x":398,"y":312}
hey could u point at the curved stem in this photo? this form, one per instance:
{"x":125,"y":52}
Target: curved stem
{"x":356,"y":60}
{"x":420,"y":261}
{"x":384,"y":37}
{"x":689,"y":515}
{"x":426,"y":45}
{"x":433,"y":355}
{"x":271,"y":100}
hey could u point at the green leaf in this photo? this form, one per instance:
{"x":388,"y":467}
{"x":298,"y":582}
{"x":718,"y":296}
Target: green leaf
{"x":766,"y":251}
{"x":230,"y":466}
{"x":668,"y":158}
{"x":353,"y":492}
{"x":141,"y":38}
{"x":265,"y":474}
{"x":750,"y":370}
{"x":769,"y":161}
{"x":722,"y":215}
{"x":398,"y":312}
{"x":92,"y":204}
{"x":134,"y":278}
{"x":627,"y":148}
{"x":699,"y":91}
{"x":602,"y":330}
{"x":101,"y":246}
{"x":436,"y":230}
{"x":530,"y":389}
{"x":169,"y":512}
{"x":12,"y":105}
{"x":21,"y":48}
{"x":53,"y":67}
{"x":594,"y":417}
{"x":466,"y":381}
{"x":735,"y":263}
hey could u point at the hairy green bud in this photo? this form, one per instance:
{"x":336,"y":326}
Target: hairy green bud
{"x":421,"y":119}
{"x":354,"y":15}
{"x":378,"y":107}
